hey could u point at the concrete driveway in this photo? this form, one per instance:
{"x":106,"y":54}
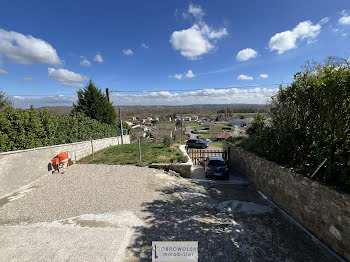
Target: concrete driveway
{"x":113,"y":213}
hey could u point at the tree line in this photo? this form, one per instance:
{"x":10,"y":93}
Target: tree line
{"x":92,"y":117}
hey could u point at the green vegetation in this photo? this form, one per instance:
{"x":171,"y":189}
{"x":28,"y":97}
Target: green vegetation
{"x":200,"y":128}
{"x":309,"y":121}
{"x":4,"y":102}
{"x":167,"y":140}
{"x":216,"y":144}
{"x":30,"y":128}
{"x":192,"y":124}
{"x":129,"y":155}
{"x":93,"y":104}
{"x":206,"y":136}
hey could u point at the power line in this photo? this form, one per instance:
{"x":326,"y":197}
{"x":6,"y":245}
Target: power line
{"x":162,"y":90}
{"x":192,"y":89}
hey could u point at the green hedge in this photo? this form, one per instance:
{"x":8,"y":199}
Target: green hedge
{"x":308,"y":122}
{"x":29,"y":128}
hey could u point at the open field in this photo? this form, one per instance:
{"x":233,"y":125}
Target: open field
{"x":129,"y":155}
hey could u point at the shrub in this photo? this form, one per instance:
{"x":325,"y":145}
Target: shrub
{"x":167,"y":140}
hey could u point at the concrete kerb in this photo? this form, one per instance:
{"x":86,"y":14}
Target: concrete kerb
{"x":185,"y":169}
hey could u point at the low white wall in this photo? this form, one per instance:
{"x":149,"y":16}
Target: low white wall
{"x":19,"y":168}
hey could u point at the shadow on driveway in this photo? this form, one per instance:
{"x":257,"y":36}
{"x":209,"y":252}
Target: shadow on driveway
{"x":230,"y":222}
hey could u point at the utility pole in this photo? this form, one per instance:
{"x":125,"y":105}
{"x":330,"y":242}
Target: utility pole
{"x":140,"y":148}
{"x":121,"y":126}
{"x":181,"y":136}
{"x":107,"y":94}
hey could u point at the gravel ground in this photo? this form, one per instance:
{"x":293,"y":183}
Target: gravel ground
{"x":113,"y":213}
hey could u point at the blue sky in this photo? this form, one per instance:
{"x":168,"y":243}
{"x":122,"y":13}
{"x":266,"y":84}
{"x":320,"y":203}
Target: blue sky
{"x":53,"y":47}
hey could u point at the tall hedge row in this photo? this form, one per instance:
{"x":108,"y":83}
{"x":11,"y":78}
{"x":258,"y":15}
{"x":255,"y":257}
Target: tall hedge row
{"x":29,"y":128}
{"x":309,"y":122}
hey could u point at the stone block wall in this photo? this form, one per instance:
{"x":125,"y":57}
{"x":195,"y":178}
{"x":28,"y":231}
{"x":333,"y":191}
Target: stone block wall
{"x":320,"y":209}
{"x":19,"y":168}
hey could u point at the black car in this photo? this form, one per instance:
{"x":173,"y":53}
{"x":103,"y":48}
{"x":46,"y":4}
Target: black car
{"x":197,"y":143}
{"x":216,"y":167}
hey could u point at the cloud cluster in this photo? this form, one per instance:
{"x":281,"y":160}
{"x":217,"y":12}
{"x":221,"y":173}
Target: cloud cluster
{"x":345,"y":19}
{"x":85,"y":62}
{"x":28,"y":79}
{"x":244,"y":77}
{"x":264,"y":76}
{"x":3,"y":72}
{"x":65,"y":75}
{"x":26,"y":49}
{"x":205,"y":96}
{"x":246,"y":54}
{"x":197,"y":40}
{"x":288,"y":39}
{"x":196,"y":11}
{"x":76,"y":85}
{"x":128,"y":52}
{"x":98,"y":58}
{"x":143,"y":45}
{"x":188,"y":74}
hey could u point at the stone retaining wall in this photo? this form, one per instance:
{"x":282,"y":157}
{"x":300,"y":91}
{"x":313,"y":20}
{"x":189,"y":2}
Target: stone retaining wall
{"x":19,"y":168}
{"x":322,"y":210}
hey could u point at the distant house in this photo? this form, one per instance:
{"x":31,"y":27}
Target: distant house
{"x":187,"y":118}
{"x":129,"y":123}
{"x":133,"y":119}
{"x":222,"y":136}
{"x":239,"y":122}
{"x":140,"y":128}
{"x":194,"y":118}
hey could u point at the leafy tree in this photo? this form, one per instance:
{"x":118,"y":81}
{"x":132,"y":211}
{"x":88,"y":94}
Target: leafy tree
{"x":93,"y":104}
{"x":4,"y":102}
{"x":310,"y":122}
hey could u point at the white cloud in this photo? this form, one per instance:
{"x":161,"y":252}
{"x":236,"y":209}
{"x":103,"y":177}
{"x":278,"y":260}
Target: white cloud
{"x":264,"y":75}
{"x":78,"y":85}
{"x":205,"y":96}
{"x":28,"y":79}
{"x":178,"y":76}
{"x":26,"y":49}
{"x":246,"y":54}
{"x":190,"y":74}
{"x":345,"y":19}
{"x":98,"y":58}
{"x":65,"y":75}
{"x":196,"y":11}
{"x":84,"y":62}
{"x":144,"y":46}
{"x":244,"y":77}
{"x":195,"y":41}
{"x":3,"y":72}
{"x":288,"y":39}
{"x":128,"y":52}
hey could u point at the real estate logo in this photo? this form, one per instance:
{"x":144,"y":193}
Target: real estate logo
{"x":168,"y":251}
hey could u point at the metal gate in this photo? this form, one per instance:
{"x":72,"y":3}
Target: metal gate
{"x":198,"y":156}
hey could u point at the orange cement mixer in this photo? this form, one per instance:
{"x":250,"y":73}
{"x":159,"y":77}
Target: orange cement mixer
{"x":60,"y":161}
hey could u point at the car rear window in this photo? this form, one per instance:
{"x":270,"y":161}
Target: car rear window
{"x":217,"y":163}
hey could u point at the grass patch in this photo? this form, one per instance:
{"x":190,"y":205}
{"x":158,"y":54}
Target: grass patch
{"x":129,"y":155}
{"x":192,"y":124}
{"x":206,"y":136}
{"x":217,"y":144}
